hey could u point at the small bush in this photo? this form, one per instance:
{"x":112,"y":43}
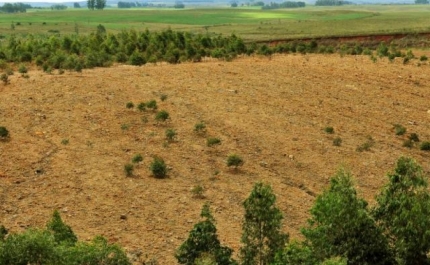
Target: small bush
{"x":4,"y":78}
{"x":408,"y":143}
{"x":425,"y":146}
{"x":158,"y":168}
{"x":152,"y":104}
{"x":128,"y":169}
{"x":414,"y":137}
{"x":423,"y":58}
{"x":200,"y":127}
{"x":22,"y":69}
{"x":129,"y":105}
{"x":137,"y":158}
{"x":65,"y":141}
{"x":163,"y":97}
{"x":212,"y":141}
{"x":399,"y":129}
{"x":337,"y":141}
{"x":329,"y":130}
{"x":4,"y":133}
{"x":234,"y":160}
{"x":198,"y":191}
{"x":162,"y":115}
{"x":170,"y":134}
{"x":366,"y":145}
{"x":141,"y":106}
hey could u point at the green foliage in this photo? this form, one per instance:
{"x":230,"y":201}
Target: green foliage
{"x":423,"y":57}
{"x":129,"y":105}
{"x":30,"y":247}
{"x":3,"y":232}
{"x":22,"y":69}
{"x":262,"y":237}
{"x":203,"y":244}
{"x":158,"y":167}
{"x":162,"y":115}
{"x":212,"y":141}
{"x":234,"y":160}
{"x":425,"y":146}
{"x":4,"y":133}
{"x":152,"y":104}
{"x":170,"y":134}
{"x":402,"y":211}
{"x":340,"y":225}
{"x":296,"y":253}
{"x":366,"y":145}
{"x":163,"y":97}
{"x":200,"y":127}
{"x":198,"y":191}
{"x":399,"y":129}
{"x":62,"y":232}
{"x":337,"y":141}
{"x":65,"y":141}
{"x":128,"y":169}
{"x":414,"y":137}
{"x":329,"y":130}
{"x":141,"y":106}
{"x":137,"y":159}
{"x":4,"y":78}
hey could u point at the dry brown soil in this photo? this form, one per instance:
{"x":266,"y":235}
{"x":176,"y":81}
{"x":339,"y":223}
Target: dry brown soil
{"x":271,"y":111}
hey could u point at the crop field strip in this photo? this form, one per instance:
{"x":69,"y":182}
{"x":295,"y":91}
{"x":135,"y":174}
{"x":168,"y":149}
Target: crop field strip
{"x":249,"y":23}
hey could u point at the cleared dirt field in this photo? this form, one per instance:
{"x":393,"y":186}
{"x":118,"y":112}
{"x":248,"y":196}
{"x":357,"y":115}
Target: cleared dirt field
{"x":272,"y":112}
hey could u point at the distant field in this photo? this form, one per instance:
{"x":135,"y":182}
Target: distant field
{"x":249,"y":23}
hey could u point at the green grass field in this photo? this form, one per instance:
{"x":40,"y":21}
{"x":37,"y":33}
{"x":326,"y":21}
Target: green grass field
{"x":249,"y":23}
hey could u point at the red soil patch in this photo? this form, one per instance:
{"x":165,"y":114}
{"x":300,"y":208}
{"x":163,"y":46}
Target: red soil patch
{"x":272,"y":112}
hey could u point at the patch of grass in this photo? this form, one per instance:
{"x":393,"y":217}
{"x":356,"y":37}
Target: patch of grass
{"x":234,"y":160}
{"x":137,"y":159}
{"x":200,"y":128}
{"x":337,"y":141}
{"x":65,"y":141}
{"x":414,"y":137}
{"x":162,"y":115}
{"x":158,"y":167}
{"x":399,"y":129}
{"x":141,"y":106}
{"x":22,"y":69}
{"x":129,"y":105}
{"x":211,"y":141}
{"x":128,"y":170}
{"x":408,"y":143}
{"x":329,"y":130}
{"x":366,"y":145}
{"x":4,"y":78}
{"x":425,"y":146}
{"x":170,"y":134}
{"x":163,"y":97}
{"x":152,"y":104}
{"x":198,"y":192}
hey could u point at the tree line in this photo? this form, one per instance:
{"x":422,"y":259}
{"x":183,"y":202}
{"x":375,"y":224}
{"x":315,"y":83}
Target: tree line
{"x":342,"y":230}
{"x":286,"y":4}
{"x":15,"y":8}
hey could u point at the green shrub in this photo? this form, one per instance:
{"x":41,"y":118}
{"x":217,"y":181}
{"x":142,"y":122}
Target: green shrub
{"x":158,"y":167}
{"x":162,"y":115}
{"x":128,"y":169}
{"x":152,"y":104}
{"x":234,"y":160}
{"x":170,"y":134}
{"x":137,"y":159}
{"x":425,"y":146}
{"x":4,"y":78}
{"x":366,"y":145}
{"x":212,"y":141}
{"x":4,"y":133}
{"x":65,"y":141}
{"x":423,"y":58}
{"x":22,"y":69}
{"x":129,"y":105}
{"x":198,"y":191}
{"x":337,"y":141}
{"x":3,"y":233}
{"x":141,"y":106}
{"x":62,"y":232}
{"x":399,"y":129}
{"x":329,"y":130}
{"x":200,"y":127}
{"x":414,"y":137}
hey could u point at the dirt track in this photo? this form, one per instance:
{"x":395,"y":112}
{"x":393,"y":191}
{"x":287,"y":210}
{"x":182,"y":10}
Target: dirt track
{"x":270,"y":111}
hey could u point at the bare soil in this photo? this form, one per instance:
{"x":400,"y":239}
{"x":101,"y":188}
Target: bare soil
{"x":271,"y":111}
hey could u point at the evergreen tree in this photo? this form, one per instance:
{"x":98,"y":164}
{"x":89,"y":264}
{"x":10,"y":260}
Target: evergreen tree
{"x":262,"y":236}
{"x":61,"y":231}
{"x":100,"y":4}
{"x":203,"y":243}
{"x":340,"y":225}
{"x":403,"y":211}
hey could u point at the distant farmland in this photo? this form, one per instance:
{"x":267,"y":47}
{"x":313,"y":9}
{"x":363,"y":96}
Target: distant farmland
{"x":249,"y":23}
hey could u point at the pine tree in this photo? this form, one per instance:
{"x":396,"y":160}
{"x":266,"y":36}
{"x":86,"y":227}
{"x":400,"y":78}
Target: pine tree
{"x":262,"y":236}
{"x":203,"y":243}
